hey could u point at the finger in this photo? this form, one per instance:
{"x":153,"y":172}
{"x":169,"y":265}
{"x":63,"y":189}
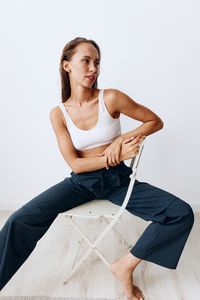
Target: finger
{"x":131,"y":138}
{"x":117,"y":159}
{"x":99,"y":154}
{"x":137,"y":140}
{"x":110,"y":160}
{"x":113,"y":159}
{"x":128,"y":140}
{"x":106,"y":162}
{"x":138,"y":137}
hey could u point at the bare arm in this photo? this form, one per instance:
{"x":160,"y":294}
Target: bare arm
{"x":69,"y":153}
{"x":87,"y":164}
{"x":129,"y":107}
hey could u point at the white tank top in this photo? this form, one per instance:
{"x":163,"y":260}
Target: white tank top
{"x":106,"y":129}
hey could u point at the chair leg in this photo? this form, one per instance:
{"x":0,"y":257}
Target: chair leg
{"x":89,"y":251}
{"x":119,"y":234}
{"x":80,"y":241}
{"x":74,"y":262}
{"x":93,"y":246}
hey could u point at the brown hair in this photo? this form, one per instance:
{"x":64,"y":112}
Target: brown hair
{"x":67,"y":54}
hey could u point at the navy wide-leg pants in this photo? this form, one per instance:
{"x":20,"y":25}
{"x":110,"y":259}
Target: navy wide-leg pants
{"x":162,"y":242}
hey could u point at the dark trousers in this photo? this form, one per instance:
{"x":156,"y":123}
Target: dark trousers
{"x":162,"y":242}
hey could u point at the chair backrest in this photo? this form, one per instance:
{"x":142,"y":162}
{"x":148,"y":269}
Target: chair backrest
{"x":134,"y":165}
{"x":135,"y":160}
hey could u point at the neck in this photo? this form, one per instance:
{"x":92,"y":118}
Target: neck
{"x":81,"y":95}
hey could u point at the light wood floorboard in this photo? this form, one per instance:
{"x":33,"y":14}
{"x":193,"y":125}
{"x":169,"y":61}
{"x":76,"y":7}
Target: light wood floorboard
{"x":45,"y":270}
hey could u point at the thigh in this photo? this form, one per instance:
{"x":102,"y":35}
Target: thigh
{"x":149,"y":201}
{"x":146,"y":201}
{"x":59,"y":198}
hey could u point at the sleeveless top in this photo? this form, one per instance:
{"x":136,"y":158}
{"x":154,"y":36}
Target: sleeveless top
{"x":106,"y":129}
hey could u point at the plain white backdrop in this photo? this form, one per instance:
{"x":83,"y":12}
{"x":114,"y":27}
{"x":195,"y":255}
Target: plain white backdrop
{"x":150,"y":51}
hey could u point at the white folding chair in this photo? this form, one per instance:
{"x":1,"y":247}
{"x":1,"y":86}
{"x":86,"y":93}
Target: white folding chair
{"x":98,"y":209}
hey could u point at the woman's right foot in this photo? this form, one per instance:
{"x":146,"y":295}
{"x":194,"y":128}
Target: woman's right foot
{"x":123,"y":272}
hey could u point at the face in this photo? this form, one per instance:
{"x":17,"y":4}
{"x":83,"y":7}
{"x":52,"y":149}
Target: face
{"x":84,"y":66}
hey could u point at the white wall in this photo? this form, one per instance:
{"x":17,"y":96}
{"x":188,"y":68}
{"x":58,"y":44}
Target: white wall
{"x":150,"y":50}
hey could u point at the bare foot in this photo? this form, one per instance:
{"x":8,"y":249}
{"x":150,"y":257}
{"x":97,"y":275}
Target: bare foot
{"x":124,"y":272}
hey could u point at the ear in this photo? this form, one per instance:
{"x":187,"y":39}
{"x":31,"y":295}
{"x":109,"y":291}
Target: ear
{"x":66,"y":66}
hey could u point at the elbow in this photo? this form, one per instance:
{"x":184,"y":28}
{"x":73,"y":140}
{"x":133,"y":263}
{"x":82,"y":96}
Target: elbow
{"x":75,"y":171}
{"x":159,"y":124}
{"x":75,"y":168}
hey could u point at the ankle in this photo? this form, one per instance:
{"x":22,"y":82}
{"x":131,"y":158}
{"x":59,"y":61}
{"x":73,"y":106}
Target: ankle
{"x":132,"y":261}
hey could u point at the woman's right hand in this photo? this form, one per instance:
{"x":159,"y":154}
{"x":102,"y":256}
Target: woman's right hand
{"x":130,"y":147}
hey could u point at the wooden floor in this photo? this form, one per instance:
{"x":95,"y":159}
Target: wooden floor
{"x":44,"y":272}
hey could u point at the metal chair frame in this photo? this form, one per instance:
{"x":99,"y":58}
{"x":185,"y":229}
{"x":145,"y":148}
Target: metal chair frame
{"x":97,"y":210}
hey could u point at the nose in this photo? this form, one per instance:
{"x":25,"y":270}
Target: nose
{"x":93,"y":68}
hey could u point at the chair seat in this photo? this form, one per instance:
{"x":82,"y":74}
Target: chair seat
{"x":94,"y":209}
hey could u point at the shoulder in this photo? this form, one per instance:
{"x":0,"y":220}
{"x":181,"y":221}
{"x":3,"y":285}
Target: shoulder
{"x":54,"y":112}
{"x":121,"y":102}
{"x":56,"y":115}
{"x":111,"y":99}
{"x":111,"y":93}
{"x":116,"y":98}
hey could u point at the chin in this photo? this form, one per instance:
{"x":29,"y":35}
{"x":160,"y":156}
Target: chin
{"x":88,"y":85}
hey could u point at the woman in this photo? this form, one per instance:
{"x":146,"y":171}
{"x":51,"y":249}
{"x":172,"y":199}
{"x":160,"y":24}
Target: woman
{"x":88,"y":131}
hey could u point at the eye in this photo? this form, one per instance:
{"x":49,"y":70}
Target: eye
{"x":85,"y":59}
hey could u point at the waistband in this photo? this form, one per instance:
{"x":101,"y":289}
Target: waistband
{"x":111,"y":169}
{"x":102,"y":180}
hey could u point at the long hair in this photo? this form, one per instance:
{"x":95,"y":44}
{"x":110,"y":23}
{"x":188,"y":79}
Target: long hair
{"x":67,"y":54}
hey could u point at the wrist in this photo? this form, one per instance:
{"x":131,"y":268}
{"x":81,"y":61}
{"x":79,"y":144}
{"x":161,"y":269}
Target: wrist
{"x":103,"y":161}
{"x":121,"y":157}
{"x":119,"y":139}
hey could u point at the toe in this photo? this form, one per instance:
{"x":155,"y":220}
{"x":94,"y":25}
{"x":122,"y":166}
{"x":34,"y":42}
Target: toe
{"x":137,"y":289}
{"x":138,"y":292}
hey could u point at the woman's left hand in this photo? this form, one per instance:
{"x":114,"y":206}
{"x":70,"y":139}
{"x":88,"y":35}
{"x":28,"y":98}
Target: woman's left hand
{"x":112,"y":152}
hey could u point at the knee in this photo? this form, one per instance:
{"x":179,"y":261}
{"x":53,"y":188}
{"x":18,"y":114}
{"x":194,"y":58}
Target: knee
{"x":19,"y":217}
{"x":183,"y":211}
{"x":15,"y":216}
{"x":189,"y":214}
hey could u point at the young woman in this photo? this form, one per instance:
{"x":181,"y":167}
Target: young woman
{"x":88,"y":131}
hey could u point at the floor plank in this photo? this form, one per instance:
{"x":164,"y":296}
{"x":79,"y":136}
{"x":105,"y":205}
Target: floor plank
{"x":44,"y":272}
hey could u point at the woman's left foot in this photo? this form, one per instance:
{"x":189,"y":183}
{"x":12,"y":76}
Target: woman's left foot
{"x":121,"y":269}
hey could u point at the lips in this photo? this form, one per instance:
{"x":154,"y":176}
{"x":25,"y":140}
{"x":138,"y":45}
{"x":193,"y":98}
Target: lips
{"x":92,"y":78}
